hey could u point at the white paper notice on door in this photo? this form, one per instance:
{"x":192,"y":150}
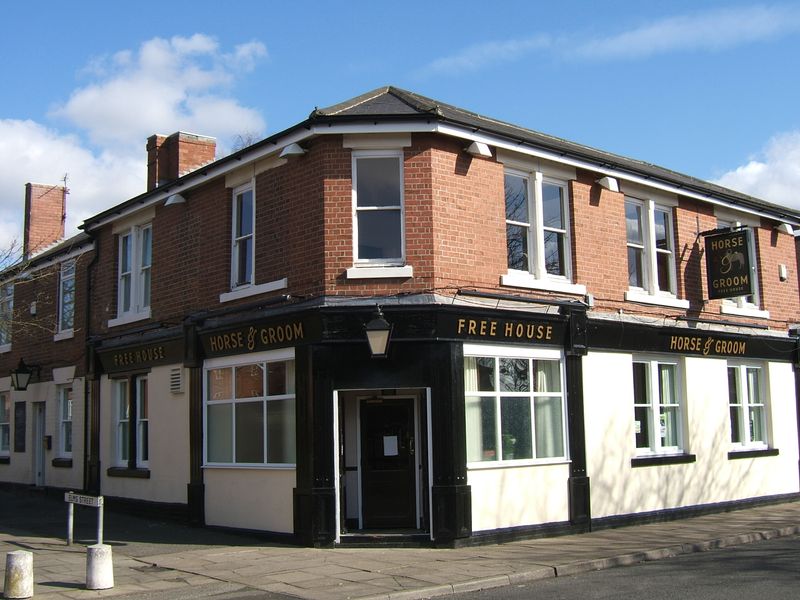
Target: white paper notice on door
{"x":390,"y":445}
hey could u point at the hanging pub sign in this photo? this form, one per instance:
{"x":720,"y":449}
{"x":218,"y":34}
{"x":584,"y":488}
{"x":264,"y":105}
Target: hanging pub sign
{"x":728,"y":265}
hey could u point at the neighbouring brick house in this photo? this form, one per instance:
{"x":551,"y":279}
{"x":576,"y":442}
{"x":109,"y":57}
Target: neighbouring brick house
{"x":561,"y":354}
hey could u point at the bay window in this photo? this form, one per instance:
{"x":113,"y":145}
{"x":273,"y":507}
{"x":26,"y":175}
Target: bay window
{"x":515,"y":407}
{"x":378,"y":207}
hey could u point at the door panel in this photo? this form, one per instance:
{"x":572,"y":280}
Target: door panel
{"x":388,"y":464}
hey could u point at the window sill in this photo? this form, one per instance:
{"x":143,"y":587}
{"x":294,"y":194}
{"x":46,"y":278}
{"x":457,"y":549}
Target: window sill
{"x":5,"y":348}
{"x":253,"y":290}
{"x":511,"y":464}
{"x":645,"y":298}
{"x":129,"y":318}
{"x":62,"y":463}
{"x":130,"y":473}
{"x":386,"y":272}
{"x":744,"y":311}
{"x":5,"y":460}
{"x":734,"y":454}
{"x":526,"y":280}
{"x":64,"y":335}
{"x":666,"y":459}
{"x":276,"y":467}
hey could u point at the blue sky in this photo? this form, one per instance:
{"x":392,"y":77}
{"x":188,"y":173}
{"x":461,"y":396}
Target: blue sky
{"x":710,"y":89}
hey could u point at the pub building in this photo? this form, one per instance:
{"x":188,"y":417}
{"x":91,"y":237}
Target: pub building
{"x":401,"y":322}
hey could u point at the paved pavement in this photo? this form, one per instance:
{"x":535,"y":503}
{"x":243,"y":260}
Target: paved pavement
{"x":154,"y":556}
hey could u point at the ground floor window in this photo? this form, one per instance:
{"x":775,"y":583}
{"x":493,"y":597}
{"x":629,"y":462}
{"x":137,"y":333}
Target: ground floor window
{"x":658,"y":420}
{"x":64,"y":394}
{"x":746,"y":401}
{"x":5,"y":423}
{"x":131,"y":422}
{"x":515,"y":409}
{"x":250,"y":410}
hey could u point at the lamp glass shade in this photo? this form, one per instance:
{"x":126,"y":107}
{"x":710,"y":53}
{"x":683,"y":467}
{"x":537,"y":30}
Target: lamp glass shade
{"x":378,"y":332}
{"x":21,"y":377}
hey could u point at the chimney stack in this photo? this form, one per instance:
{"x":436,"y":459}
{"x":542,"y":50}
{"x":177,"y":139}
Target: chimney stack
{"x":170,"y":157}
{"x":45,"y":214}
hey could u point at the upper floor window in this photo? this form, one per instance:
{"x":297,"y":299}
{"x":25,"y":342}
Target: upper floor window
{"x":514,"y":405}
{"x":378,"y":207}
{"x":6,"y":315}
{"x":66,"y":297}
{"x":747,"y":407}
{"x":64,"y":394}
{"x":657,"y":410}
{"x":242,"y":263}
{"x":5,"y":423}
{"x":651,"y":240}
{"x":537,"y":225}
{"x":134,"y":265}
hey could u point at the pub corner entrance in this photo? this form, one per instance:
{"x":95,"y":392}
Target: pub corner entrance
{"x":383,"y":463}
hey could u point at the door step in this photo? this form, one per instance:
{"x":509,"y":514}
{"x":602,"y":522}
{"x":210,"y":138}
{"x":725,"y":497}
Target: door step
{"x":385,"y":540}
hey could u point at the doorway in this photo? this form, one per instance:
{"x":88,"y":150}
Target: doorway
{"x":383,"y":462}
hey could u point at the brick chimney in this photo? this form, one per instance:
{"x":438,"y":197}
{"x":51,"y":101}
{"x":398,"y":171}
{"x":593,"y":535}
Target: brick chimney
{"x":170,"y":157}
{"x":45,"y":213}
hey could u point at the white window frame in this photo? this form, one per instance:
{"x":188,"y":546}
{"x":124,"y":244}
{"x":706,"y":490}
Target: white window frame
{"x":745,"y":405}
{"x":66,"y":284}
{"x":649,"y":292}
{"x":121,"y":423}
{"x":141,"y":395}
{"x":512,"y":352}
{"x":238,"y":240}
{"x":654,"y":406}
{"x":749,"y":305}
{"x":394,"y":261}
{"x":260,"y":358}
{"x":65,"y":406}
{"x":138,"y":274}
{"x":6,"y":315}
{"x":5,"y":423}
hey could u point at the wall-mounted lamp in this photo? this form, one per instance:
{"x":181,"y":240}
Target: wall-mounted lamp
{"x":175,"y":199}
{"x":785,"y":228}
{"x":609,"y":183}
{"x":378,"y":331}
{"x":479,"y":149}
{"x":21,"y":376}
{"x":292,"y":150}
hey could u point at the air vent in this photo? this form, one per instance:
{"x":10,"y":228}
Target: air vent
{"x":176,"y":380}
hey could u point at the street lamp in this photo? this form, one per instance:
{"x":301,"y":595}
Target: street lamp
{"x":21,"y":376}
{"x":378,"y":331}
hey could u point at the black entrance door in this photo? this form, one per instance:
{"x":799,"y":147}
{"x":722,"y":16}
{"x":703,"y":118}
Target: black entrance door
{"x":388,"y":464}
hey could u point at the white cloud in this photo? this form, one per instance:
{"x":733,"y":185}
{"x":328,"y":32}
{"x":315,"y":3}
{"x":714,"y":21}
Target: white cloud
{"x":774,"y":175}
{"x":164,"y":86}
{"x":711,"y":30}
{"x":159,"y":90}
{"x":37,"y":154}
{"x":478,"y":56}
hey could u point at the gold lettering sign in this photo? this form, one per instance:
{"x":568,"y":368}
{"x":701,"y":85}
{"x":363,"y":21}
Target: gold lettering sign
{"x":247,"y":340}
{"x":707,"y":345}
{"x":505,"y":330}
{"x":140,"y":356}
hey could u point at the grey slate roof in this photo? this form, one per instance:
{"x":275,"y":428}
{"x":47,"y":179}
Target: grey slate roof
{"x":389,"y":103}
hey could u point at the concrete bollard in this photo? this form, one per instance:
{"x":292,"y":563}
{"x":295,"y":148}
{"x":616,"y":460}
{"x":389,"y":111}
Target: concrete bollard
{"x":19,"y":574}
{"x":99,"y":567}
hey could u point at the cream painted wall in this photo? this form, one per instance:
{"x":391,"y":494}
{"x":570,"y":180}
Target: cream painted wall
{"x":21,"y":466}
{"x":515,"y":496}
{"x":169,"y":442}
{"x":260,"y":499}
{"x":617,"y":488}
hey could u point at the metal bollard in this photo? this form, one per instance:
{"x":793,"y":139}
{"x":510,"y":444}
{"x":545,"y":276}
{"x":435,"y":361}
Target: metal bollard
{"x":19,"y":574}
{"x":99,"y":567}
